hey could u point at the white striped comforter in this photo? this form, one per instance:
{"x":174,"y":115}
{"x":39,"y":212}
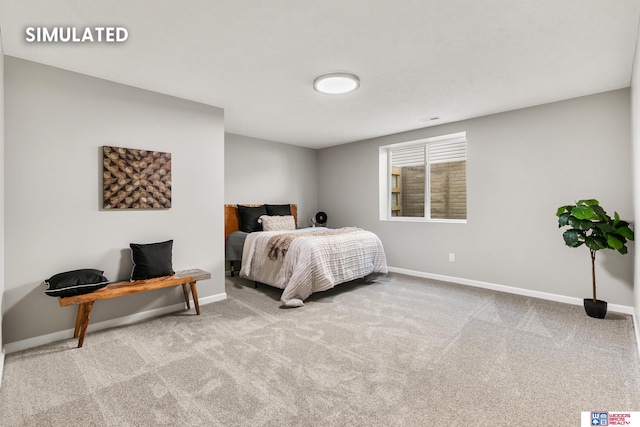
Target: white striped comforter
{"x":312,"y":263}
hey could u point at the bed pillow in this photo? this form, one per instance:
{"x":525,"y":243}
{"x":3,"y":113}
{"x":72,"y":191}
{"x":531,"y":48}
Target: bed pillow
{"x":151,"y":260}
{"x":273,"y":210}
{"x":281,"y":222}
{"x":249,"y":217}
{"x":76,"y":282}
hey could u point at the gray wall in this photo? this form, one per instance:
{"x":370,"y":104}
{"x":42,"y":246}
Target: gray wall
{"x":1,"y":202}
{"x":521,"y":166}
{"x":261,"y":171}
{"x":635,"y":132}
{"x":56,"y":124}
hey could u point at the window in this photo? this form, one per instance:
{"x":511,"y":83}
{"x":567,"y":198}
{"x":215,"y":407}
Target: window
{"x":425,"y":179}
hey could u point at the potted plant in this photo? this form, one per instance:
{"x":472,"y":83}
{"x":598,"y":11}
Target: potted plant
{"x":590,"y":225}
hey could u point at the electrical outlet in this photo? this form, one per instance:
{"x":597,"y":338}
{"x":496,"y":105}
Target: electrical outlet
{"x":452,"y":257}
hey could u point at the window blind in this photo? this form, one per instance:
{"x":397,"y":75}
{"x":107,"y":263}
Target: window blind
{"x":447,"y":151}
{"x":410,"y":156}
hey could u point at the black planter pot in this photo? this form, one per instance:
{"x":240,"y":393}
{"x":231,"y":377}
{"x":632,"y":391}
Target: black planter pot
{"x":596,"y":309}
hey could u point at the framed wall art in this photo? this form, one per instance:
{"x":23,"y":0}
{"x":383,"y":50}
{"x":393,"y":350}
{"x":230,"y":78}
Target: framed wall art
{"x":135,"y":179}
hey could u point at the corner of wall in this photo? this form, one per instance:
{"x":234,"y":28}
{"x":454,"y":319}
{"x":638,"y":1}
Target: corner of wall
{"x":635,"y":148}
{"x":1,"y":203}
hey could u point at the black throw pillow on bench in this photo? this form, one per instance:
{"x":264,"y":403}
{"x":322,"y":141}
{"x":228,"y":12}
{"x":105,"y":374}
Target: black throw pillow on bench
{"x":151,"y":260}
{"x":76,"y":282}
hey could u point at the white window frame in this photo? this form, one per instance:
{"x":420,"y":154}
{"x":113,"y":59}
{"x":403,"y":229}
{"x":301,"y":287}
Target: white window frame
{"x":385,"y":180}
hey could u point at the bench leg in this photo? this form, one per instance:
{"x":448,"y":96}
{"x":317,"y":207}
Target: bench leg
{"x":185,"y":291}
{"x":79,"y":317}
{"x":194,"y":292}
{"x":82,"y":321}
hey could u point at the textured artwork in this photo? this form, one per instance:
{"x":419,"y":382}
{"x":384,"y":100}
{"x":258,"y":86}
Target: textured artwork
{"x":136,"y":179}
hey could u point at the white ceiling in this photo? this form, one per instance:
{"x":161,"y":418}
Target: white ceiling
{"x":454,"y":59}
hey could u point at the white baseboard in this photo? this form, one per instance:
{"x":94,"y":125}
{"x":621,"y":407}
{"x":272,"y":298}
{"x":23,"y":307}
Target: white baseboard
{"x":12,"y":347}
{"x":1,"y":366}
{"x":636,"y":325}
{"x":508,"y":289}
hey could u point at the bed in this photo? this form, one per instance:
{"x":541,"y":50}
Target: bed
{"x":300,"y":261}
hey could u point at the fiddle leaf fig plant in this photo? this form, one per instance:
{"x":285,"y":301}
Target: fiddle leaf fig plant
{"x":590,"y":225}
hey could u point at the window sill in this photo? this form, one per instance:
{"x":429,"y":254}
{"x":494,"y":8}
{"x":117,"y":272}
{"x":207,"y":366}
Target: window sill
{"x":416,"y":219}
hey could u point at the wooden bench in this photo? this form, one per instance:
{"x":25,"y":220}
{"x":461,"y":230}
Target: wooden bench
{"x":186,"y":278}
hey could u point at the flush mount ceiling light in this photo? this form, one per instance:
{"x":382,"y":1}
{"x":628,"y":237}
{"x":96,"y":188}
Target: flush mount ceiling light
{"x":336,"y":83}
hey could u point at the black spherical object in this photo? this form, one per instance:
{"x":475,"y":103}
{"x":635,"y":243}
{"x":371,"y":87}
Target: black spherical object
{"x":321,"y":218}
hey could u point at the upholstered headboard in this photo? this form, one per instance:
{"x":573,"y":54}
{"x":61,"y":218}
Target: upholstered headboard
{"x":232,"y":219}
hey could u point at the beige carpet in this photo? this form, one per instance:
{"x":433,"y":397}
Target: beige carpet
{"x":398,"y":352}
